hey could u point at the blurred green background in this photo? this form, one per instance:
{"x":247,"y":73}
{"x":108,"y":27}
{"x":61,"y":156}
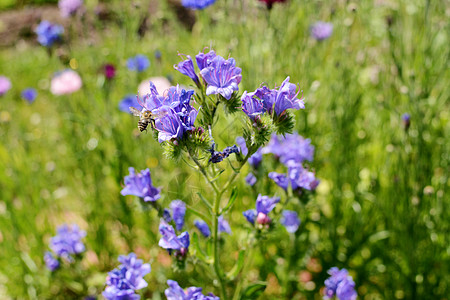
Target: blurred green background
{"x":381,"y":210}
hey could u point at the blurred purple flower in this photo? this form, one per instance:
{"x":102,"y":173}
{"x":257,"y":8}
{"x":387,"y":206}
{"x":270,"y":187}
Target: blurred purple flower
{"x":286,"y":98}
{"x":250,"y":215}
{"x":340,"y":284}
{"x":138,"y":63}
{"x":203,"y":227}
{"x":140,"y":185}
{"x":50,"y":261}
{"x":290,"y":220}
{"x":253,"y":160}
{"x":301,"y":178}
{"x":178,"y":208}
{"x":280,"y":179}
{"x":222,"y":76}
{"x":224,"y":226}
{"x":132,"y":263}
{"x":167,"y":216}
{"x":175,"y":292}
{"x":129,"y":100}
{"x":186,"y":67}
{"x":197,"y":4}
{"x":170,"y":240}
{"x":69,"y":7}
{"x":265,"y":204}
{"x":68,"y":241}
{"x":406,"y":119}
{"x":321,"y":30}
{"x":5,"y":85}
{"x":292,"y":147}
{"x":204,"y":59}
{"x":48,"y":33}
{"x":250,"y":179}
{"x":29,"y":94}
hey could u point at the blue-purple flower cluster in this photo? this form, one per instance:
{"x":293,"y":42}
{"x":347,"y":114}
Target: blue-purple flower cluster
{"x":64,"y":245}
{"x":340,"y":284}
{"x":140,"y":185}
{"x":123,"y":281}
{"x":321,"y":30}
{"x":221,"y":75}
{"x":264,"y":205}
{"x":174,"y":113}
{"x":175,"y":292}
{"x":138,"y":63}
{"x":48,"y":33}
{"x":273,"y":101}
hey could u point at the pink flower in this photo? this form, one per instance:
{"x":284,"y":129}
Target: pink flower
{"x":5,"y":85}
{"x":65,"y":82}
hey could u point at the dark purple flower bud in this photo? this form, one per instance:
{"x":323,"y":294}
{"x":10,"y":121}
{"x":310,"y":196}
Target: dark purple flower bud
{"x":129,"y":101}
{"x":29,"y":94}
{"x":250,"y":215}
{"x":109,"y":71}
{"x":321,"y":30}
{"x":203,"y":227}
{"x":286,"y":98}
{"x":175,"y":292}
{"x":252,"y":106}
{"x":290,"y":220}
{"x":186,"y":67}
{"x":406,"y":119}
{"x":158,"y":54}
{"x":250,"y":179}
{"x":50,"y":261}
{"x":68,"y":241}
{"x":48,"y":33}
{"x":203,"y":60}
{"x":166,"y":215}
{"x":256,"y":158}
{"x":140,"y":185}
{"x":178,"y":208}
{"x":265,"y":204}
{"x":301,"y":178}
{"x":339,"y":280}
{"x":280,"y":179}
{"x":269,"y":3}
{"x":222,"y":77}
{"x":5,"y":85}
{"x":224,"y":226}
{"x":217,"y":156}
{"x":138,"y":63}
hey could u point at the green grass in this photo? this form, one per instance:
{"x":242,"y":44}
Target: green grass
{"x":381,"y":210}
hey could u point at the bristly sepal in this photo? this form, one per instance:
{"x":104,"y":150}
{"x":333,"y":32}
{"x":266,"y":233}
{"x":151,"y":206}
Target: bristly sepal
{"x":284,"y":123}
{"x":232,"y":105}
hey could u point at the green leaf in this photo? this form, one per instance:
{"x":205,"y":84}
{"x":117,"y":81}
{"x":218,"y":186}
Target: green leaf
{"x":381,"y":235}
{"x":254,"y":290}
{"x":231,"y":275}
{"x":231,"y":201}
{"x":198,"y":252}
{"x":205,"y":201}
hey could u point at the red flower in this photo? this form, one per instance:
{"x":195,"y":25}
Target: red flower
{"x":110,"y":71}
{"x":269,"y":3}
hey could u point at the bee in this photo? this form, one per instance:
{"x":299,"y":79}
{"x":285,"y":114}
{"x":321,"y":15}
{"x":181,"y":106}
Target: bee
{"x":145,"y":117}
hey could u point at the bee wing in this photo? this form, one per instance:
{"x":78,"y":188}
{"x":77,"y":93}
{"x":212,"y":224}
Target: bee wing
{"x":135,"y":111}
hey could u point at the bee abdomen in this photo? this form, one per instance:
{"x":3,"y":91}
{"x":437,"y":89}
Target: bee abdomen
{"x":142,"y":125}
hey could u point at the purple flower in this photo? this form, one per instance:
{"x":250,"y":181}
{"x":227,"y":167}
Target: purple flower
{"x":158,"y":54}
{"x":167,"y":216}
{"x":129,"y":100}
{"x":5,"y":85}
{"x":132,"y":263}
{"x":340,"y":284}
{"x":48,"y":33}
{"x":203,"y":60}
{"x":50,"y":261}
{"x":126,"y":279}
{"x":168,"y":124}
{"x":280,"y":179}
{"x":265,"y":204}
{"x":170,"y":240}
{"x":290,"y":220}
{"x":69,"y":7}
{"x":286,"y":98}
{"x":321,"y":30}
{"x":29,"y":94}
{"x":68,"y":241}
{"x":267,"y":97}
{"x":109,"y":71}
{"x":203,"y":227}
{"x":140,"y":185}
{"x":175,"y":292}
{"x":222,"y":77}
{"x":186,"y":67}
{"x":138,"y":63}
{"x":301,"y":178}
{"x":250,"y":179}
{"x":251,"y":106}
{"x":253,"y":160}
{"x":250,"y":215}
{"x":197,"y":4}
{"x":292,"y":147}
{"x":178,"y":212}
{"x":406,"y":119}
{"x":224,"y":226}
